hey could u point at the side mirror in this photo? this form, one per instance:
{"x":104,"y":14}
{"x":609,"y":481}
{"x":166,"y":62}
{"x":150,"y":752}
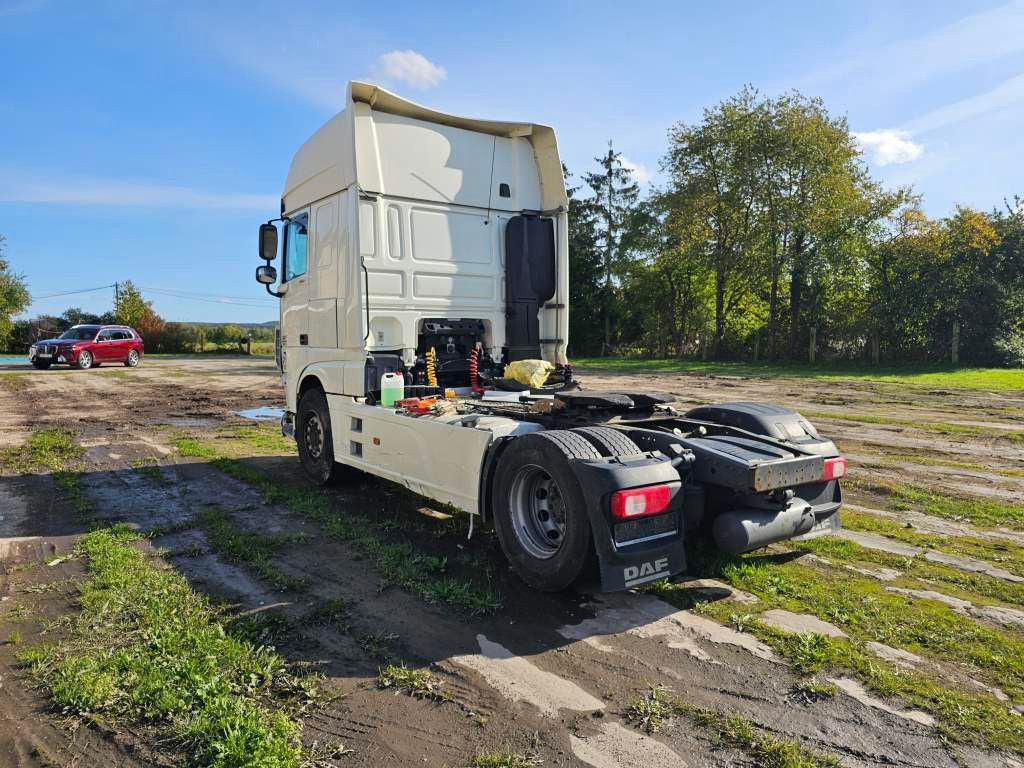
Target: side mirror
{"x":268,"y":242}
{"x":266,"y":275}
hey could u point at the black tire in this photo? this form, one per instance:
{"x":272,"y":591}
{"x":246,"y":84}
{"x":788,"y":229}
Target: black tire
{"x":608,"y":441}
{"x":133,"y":359}
{"x":313,"y":435}
{"x":42,"y":365}
{"x":85,"y":360}
{"x":546,"y":552}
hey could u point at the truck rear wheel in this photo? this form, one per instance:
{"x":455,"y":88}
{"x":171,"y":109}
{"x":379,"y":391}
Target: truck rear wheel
{"x":539,"y":511}
{"x":608,"y":441}
{"x":313,"y":435}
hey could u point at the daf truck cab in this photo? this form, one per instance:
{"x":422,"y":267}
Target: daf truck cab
{"x":434,"y":248}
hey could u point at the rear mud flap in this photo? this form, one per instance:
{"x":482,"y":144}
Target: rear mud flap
{"x":627,"y":565}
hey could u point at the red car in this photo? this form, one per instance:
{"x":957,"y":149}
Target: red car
{"x":85,"y":346}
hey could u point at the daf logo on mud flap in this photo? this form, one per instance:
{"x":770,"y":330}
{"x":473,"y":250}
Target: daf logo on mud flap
{"x":636,"y":574}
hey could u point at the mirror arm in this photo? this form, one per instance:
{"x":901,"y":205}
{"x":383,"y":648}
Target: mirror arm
{"x":275,"y":294}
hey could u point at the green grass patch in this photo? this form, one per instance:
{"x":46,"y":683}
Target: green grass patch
{"x":863,"y":609}
{"x":418,"y":683}
{"x":146,"y":648}
{"x":977,"y":511}
{"x":997,"y":551}
{"x":398,"y":563}
{"x":944,"y":428}
{"x":255,"y":551}
{"x":52,"y":449}
{"x":996,"y":379}
{"x":656,"y":708}
{"x":13,"y":382}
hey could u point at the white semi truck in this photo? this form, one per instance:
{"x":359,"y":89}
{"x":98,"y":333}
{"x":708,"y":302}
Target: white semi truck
{"x":435,"y":247}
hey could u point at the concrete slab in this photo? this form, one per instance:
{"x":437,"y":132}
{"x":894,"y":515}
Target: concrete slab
{"x":799,"y":623}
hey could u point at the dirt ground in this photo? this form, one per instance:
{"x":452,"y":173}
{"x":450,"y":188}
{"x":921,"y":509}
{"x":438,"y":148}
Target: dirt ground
{"x":546,"y":675}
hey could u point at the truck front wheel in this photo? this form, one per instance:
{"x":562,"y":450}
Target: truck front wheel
{"x":539,"y":511}
{"x":313,"y":435}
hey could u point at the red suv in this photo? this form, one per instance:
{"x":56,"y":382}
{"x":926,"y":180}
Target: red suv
{"x":84,"y":346}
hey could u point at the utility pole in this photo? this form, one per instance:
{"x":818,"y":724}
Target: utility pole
{"x":117,"y":295}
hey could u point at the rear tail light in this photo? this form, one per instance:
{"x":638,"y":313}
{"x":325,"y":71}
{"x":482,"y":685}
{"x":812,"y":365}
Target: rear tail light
{"x":834,"y":468}
{"x":640,"y":502}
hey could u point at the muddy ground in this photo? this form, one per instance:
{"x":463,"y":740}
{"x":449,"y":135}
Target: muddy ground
{"x":548,"y":676}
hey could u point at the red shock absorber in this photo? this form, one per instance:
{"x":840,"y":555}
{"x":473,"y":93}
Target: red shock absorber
{"x":474,"y":369}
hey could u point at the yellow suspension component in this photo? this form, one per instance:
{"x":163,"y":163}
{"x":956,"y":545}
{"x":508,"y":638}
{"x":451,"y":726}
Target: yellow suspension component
{"x":431,"y":357}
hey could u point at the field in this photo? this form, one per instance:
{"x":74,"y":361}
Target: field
{"x":172,"y":593}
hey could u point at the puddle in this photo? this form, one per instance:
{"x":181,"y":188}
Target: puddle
{"x":263,"y":413}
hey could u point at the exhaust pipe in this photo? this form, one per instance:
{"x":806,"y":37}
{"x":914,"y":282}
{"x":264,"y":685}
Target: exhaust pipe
{"x":744,"y":530}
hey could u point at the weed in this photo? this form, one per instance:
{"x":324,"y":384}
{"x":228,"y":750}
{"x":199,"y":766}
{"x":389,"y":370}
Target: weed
{"x":13,"y":382}
{"x":69,"y":484}
{"x":263,"y":628}
{"x":253,"y":550}
{"x":147,"y":648}
{"x":333,"y":611}
{"x":810,"y":689}
{"x":377,"y":644}
{"x":418,"y":683}
{"x":14,"y":638}
{"x":504,"y":758}
{"x":651,"y":710}
{"x":52,"y":449}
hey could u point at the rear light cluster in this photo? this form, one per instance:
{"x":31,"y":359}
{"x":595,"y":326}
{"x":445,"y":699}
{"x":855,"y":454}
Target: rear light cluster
{"x":834,"y":468}
{"x":640,"y":502}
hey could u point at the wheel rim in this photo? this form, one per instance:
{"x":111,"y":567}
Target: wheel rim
{"x":85,"y":360}
{"x":314,"y":435}
{"x":133,"y":358}
{"x":538,"y":512}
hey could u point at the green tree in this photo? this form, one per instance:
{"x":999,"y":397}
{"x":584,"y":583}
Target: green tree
{"x":615,"y":194}
{"x":14,"y":296}
{"x":131,"y":308}
{"x":585,"y":260}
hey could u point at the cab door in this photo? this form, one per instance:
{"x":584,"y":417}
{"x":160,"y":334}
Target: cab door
{"x":295,"y":304}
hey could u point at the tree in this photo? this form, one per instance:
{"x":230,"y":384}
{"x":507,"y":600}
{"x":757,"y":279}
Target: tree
{"x":615,"y":196}
{"x":131,"y":308}
{"x":14,"y":296}
{"x":714,"y":183}
{"x":585,"y":260}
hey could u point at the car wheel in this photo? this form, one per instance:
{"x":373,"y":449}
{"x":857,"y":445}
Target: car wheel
{"x":42,"y":365}
{"x":540,"y":513}
{"x":313,"y":435}
{"x":85,"y":360}
{"x":132,"y":360}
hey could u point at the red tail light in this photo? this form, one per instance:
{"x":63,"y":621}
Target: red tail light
{"x":834,"y":468}
{"x":640,"y":502}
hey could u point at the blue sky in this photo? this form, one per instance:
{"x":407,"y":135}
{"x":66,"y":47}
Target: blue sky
{"x":148,"y":140}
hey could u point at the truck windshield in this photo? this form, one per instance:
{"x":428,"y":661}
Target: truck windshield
{"x":80,"y":334}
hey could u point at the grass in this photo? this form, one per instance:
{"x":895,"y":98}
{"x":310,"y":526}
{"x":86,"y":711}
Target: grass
{"x":52,"y":449}
{"x":418,"y":683}
{"x":982,"y":512}
{"x":865,"y":611}
{"x":656,"y":708}
{"x":398,"y":563}
{"x":944,"y":428}
{"x":146,"y":648}
{"x":13,"y":382}
{"x":253,"y":550}
{"x":995,"y":379}
{"x":1005,"y":554}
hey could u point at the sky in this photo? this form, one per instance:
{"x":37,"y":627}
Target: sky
{"x":147,"y":140}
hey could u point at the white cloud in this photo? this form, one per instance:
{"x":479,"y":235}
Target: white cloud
{"x":889,"y":146}
{"x":641,"y":173}
{"x":1007,"y":94}
{"x":413,"y":68}
{"x":127,"y":193}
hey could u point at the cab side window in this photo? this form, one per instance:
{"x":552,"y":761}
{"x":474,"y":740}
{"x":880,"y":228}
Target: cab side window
{"x":296,"y":240}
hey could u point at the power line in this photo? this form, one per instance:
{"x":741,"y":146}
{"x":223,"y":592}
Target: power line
{"x":69,"y":293}
{"x":191,"y":294}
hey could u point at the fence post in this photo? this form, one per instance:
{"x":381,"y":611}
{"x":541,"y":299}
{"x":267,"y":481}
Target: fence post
{"x":813,"y":349}
{"x":956,"y":342}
